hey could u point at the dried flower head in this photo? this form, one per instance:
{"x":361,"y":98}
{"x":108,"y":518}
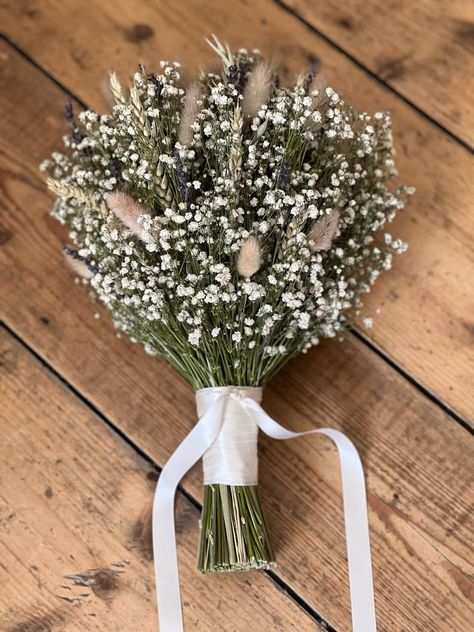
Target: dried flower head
{"x":128,"y":211}
{"x":257,"y":89}
{"x":250,"y":258}
{"x":323,"y":231}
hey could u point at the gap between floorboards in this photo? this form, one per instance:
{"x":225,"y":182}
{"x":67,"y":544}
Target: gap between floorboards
{"x":295,"y":14}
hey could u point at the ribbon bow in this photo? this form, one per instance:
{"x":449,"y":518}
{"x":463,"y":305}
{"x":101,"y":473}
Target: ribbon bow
{"x":192,"y":448}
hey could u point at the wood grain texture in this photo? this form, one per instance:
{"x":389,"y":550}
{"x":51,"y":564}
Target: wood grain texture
{"x":427,"y":302}
{"x":417,"y":459}
{"x":423,"y":49}
{"x":75,"y":544}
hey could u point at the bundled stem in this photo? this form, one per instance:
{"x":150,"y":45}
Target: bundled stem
{"x":234,"y":534}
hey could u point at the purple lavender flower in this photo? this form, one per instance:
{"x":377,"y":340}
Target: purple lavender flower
{"x":69,"y":112}
{"x":116,"y":171}
{"x":74,"y":254}
{"x":158,"y":87}
{"x":77,"y":135}
{"x":181,"y":177}
{"x":313,"y":71}
{"x":233,"y":74}
{"x":284,"y":174}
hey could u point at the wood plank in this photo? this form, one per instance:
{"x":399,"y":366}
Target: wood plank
{"x":418,"y":461}
{"x":422,"y":49}
{"x":74,"y":551}
{"x":427,"y":300}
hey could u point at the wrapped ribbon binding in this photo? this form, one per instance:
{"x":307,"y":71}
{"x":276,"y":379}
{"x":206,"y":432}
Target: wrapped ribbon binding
{"x":234,"y":534}
{"x":226,"y":436}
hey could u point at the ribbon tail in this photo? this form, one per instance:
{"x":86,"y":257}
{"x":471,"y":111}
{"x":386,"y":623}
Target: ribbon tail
{"x":357,"y":533}
{"x":355,"y":515}
{"x":185,"y":456}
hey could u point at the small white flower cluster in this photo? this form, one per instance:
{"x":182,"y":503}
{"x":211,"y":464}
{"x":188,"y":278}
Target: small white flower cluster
{"x":172,"y":281}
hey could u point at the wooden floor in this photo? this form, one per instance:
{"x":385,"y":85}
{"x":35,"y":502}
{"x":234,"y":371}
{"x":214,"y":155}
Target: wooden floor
{"x":87,"y":420}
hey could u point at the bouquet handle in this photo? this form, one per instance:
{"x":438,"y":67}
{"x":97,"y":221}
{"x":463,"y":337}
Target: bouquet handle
{"x":191,"y":450}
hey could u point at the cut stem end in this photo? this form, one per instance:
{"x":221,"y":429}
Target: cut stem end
{"x":234,"y":535}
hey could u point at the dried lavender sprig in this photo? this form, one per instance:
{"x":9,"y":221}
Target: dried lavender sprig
{"x":181,"y":177}
{"x":284,"y":175}
{"x":233,"y":74}
{"x":74,"y":254}
{"x":116,"y":171}
{"x":313,"y":71}
{"x":158,"y":87}
{"x":233,"y":79}
{"x":76,"y":133}
{"x":69,"y":111}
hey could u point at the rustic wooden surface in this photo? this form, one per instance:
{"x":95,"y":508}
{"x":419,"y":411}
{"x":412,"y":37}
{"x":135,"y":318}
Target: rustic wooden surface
{"x":423,"y":49}
{"x":433,"y":280}
{"x":405,"y":395}
{"x":74,"y":514}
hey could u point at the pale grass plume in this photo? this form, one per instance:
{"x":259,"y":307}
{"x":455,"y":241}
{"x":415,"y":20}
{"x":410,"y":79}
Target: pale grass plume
{"x":127,"y":210}
{"x":250,"y":257}
{"x":317,"y":91}
{"x":191,"y":108}
{"x":78,"y":266}
{"x":323,"y":231}
{"x":257,"y":89}
{"x":107,"y":93}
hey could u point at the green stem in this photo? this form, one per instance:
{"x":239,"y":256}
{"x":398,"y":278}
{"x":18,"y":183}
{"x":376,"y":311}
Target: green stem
{"x":234,"y":534}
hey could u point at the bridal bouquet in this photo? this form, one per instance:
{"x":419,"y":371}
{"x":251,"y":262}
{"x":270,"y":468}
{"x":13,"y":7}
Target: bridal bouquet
{"x":228,"y":224}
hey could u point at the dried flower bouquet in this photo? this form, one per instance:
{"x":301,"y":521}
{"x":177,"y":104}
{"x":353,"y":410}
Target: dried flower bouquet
{"x":228,"y":225}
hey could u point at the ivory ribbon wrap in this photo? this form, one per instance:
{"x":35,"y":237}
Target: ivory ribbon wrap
{"x":218,"y":407}
{"x":233,"y":457}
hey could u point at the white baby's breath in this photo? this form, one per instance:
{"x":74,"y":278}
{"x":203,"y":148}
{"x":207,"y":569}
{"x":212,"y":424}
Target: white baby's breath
{"x":230,"y":225}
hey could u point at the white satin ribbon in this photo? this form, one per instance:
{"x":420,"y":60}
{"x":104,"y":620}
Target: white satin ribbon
{"x":197,"y":442}
{"x":233,"y":457}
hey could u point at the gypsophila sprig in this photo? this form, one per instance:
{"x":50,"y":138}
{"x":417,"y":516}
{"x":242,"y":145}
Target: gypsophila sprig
{"x":230,"y":224}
